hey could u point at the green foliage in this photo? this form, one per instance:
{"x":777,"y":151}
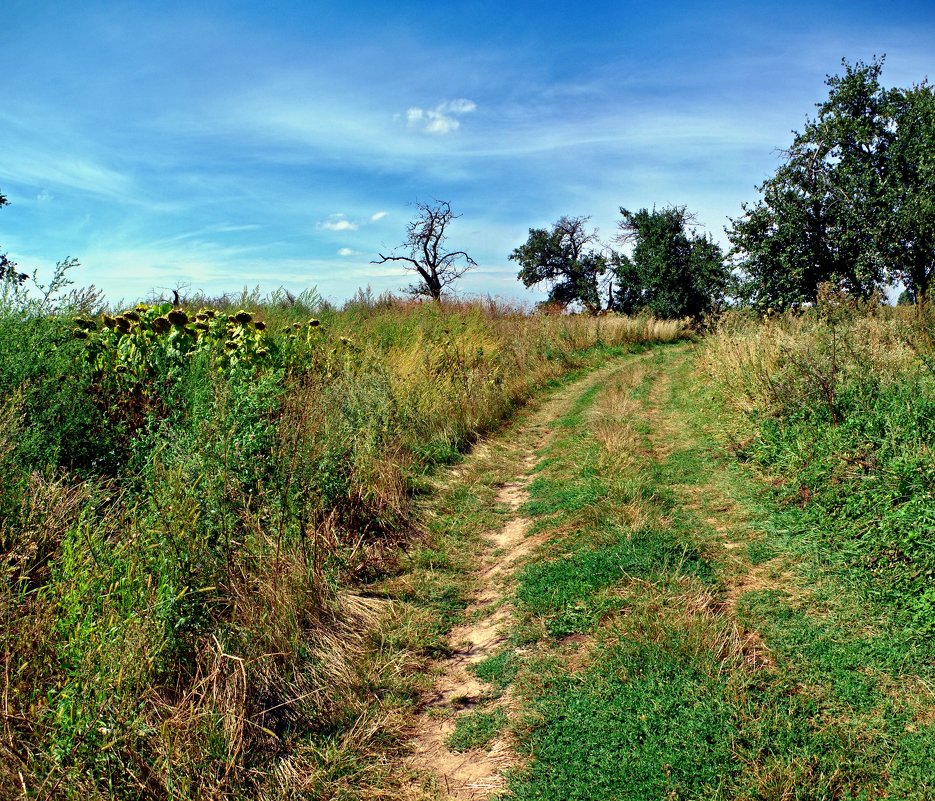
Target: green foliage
{"x":673,"y":272}
{"x":559,"y":259}
{"x":852,"y":204}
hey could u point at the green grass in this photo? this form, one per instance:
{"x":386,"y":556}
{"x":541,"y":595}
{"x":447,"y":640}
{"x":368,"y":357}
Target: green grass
{"x":565,"y":591}
{"x":648,"y":720}
{"x":669,"y":702}
{"x":475,"y":729}
{"x":498,"y":670}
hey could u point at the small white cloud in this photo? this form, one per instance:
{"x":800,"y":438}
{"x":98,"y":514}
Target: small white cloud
{"x":338,"y":222}
{"x":460,"y":106}
{"x":44,"y":196}
{"x":441,"y":119}
{"x":440,"y":124}
{"x":347,"y":252}
{"x":378,"y":216}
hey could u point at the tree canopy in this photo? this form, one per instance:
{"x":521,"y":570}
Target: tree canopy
{"x":673,"y":272}
{"x":568,"y":258}
{"x":852,"y":204}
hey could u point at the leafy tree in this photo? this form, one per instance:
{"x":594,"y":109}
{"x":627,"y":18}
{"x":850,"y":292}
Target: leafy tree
{"x":908,"y":228}
{"x":436,"y":267}
{"x":564,"y":259}
{"x":853,"y":202}
{"x":673,"y":271}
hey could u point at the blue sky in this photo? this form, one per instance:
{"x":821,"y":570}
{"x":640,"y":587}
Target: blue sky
{"x":240,"y":144}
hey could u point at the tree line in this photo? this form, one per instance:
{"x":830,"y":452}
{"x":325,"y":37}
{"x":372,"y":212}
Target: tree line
{"x":851,"y":205}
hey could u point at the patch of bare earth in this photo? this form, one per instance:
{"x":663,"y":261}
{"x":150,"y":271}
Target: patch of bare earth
{"x":438,"y":771}
{"x":477,"y":773}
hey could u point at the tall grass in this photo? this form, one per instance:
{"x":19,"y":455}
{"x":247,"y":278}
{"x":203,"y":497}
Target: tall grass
{"x":838,"y":405}
{"x":182,"y":531}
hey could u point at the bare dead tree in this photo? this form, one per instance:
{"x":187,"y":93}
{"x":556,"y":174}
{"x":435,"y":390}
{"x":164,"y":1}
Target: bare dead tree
{"x":437,"y":267}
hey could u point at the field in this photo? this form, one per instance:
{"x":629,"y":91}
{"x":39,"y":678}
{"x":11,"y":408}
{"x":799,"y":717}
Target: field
{"x":266,"y":548}
{"x":193,"y":504}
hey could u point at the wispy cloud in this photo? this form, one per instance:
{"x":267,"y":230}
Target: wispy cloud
{"x":442,"y":119}
{"x":347,"y":252}
{"x":42,"y":169}
{"x":378,"y":216}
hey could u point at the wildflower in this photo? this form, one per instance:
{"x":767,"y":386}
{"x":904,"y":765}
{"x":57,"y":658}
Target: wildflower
{"x":161,"y":325}
{"x":259,"y":325}
{"x":243,"y":317}
{"x":177,"y":317}
{"x":313,"y":323}
{"x":123,"y":324}
{"x":109,"y":322}
{"x":133,"y":315}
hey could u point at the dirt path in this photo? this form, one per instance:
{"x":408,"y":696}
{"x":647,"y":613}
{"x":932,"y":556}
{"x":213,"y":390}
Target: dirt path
{"x":478,"y":772}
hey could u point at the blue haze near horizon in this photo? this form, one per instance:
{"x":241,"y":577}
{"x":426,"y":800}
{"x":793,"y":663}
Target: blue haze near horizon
{"x":242,"y":144}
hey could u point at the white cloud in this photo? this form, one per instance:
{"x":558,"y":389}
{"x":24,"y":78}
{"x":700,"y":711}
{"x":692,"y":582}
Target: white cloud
{"x":338,"y":222}
{"x":460,"y":106}
{"x":378,"y":216}
{"x":347,"y":252}
{"x":441,"y":119}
